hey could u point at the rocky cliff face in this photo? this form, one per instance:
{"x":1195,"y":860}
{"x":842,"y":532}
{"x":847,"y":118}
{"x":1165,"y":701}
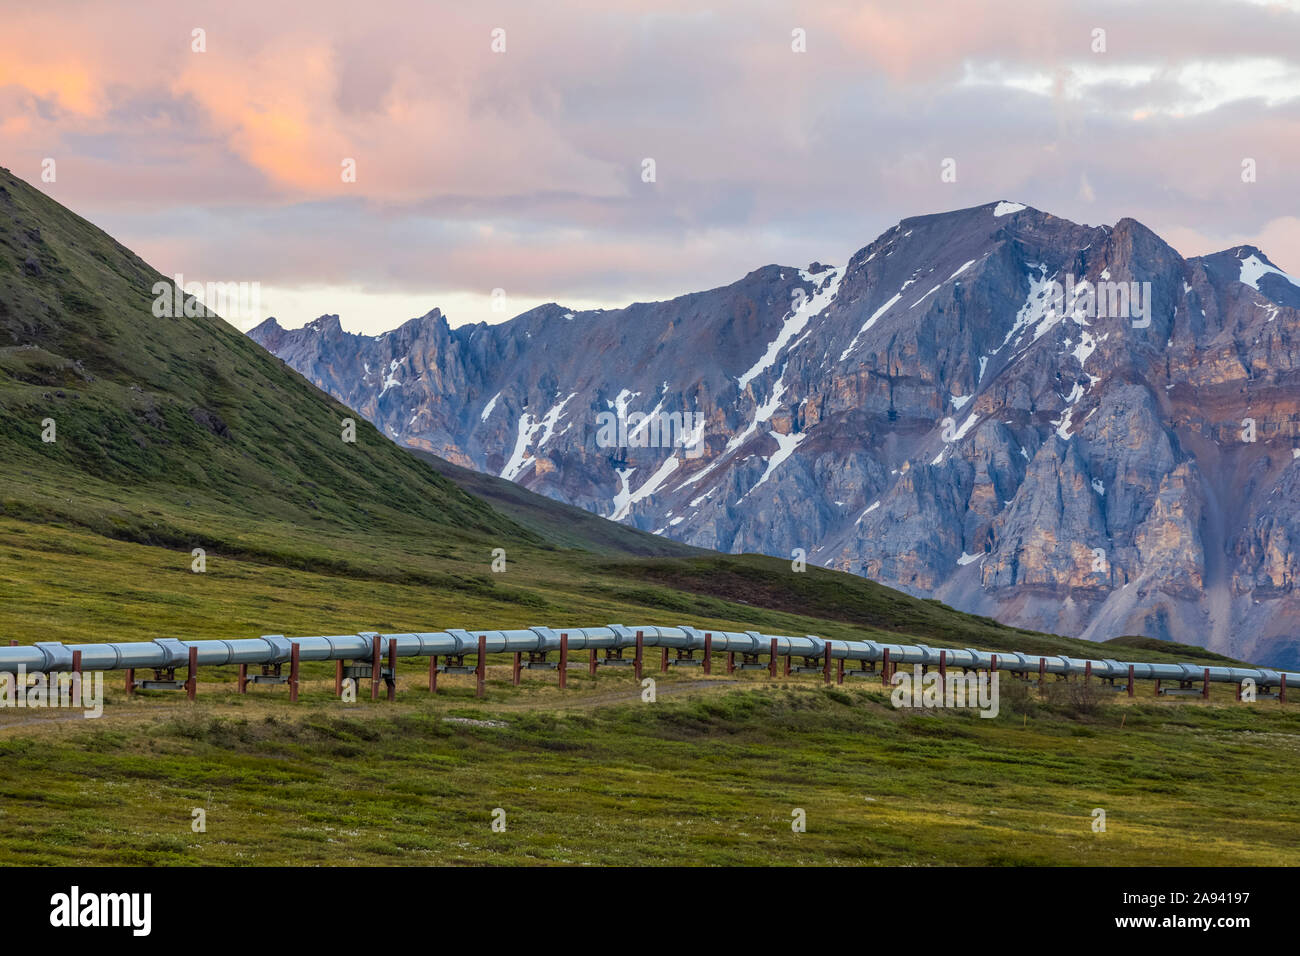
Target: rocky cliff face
{"x":1066,"y":427}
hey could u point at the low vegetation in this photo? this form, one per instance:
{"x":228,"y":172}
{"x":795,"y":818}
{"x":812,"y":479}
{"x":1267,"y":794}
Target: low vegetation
{"x":710,"y":773}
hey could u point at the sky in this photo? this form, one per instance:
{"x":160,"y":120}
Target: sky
{"x":504,"y":145}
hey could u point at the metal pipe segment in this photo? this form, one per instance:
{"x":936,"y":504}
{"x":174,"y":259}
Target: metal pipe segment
{"x":46,"y":656}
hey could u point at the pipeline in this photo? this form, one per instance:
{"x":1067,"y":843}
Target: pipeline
{"x":169,"y":653}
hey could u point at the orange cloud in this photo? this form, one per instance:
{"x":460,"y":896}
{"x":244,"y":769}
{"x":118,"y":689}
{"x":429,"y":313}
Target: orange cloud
{"x":273,"y":109}
{"x":68,"y":83}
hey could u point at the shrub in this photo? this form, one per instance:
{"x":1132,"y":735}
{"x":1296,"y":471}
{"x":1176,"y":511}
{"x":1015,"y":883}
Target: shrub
{"x":1076,"y":698}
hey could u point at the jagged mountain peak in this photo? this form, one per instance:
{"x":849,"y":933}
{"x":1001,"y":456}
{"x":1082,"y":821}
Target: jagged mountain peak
{"x":1251,"y":269}
{"x":325,"y":324}
{"x":432,"y":322}
{"x":267,"y":326}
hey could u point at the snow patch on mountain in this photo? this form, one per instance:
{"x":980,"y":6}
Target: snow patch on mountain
{"x":391,"y":381}
{"x":761,"y":415}
{"x":926,"y":296}
{"x":786,"y":444}
{"x":1253,"y":269}
{"x":872,"y":321}
{"x":1083,"y":351}
{"x":528,"y":429}
{"x":795,"y":322}
{"x":1038,"y":312}
{"x":517,"y":458}
{"x":623,"y":501}
{"x":624,"y":494}
{"x":870,"y":509}
{"x":966,"y":427}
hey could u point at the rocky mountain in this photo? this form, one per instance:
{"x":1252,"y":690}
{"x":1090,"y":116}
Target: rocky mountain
{"x":1067,"y":427}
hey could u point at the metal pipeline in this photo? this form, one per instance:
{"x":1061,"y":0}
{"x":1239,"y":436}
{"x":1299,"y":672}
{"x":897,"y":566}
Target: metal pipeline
{"x":47,"y":656}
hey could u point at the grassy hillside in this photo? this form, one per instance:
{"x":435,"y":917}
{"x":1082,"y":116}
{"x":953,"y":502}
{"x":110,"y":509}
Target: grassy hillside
{"x":708,"y":774}
{"x":1133,"y":646}
{"x":178,"y":430}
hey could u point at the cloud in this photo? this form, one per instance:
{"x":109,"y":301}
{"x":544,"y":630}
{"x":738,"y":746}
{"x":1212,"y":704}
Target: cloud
{"x":522,"y":169}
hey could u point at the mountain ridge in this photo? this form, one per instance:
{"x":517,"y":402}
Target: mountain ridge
{"x":935,"y":414}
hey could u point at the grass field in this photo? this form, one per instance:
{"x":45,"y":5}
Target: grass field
{"x":710,"y":773}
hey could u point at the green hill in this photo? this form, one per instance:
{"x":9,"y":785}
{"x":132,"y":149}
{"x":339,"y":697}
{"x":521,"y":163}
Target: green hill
{"x":173,"y":430}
